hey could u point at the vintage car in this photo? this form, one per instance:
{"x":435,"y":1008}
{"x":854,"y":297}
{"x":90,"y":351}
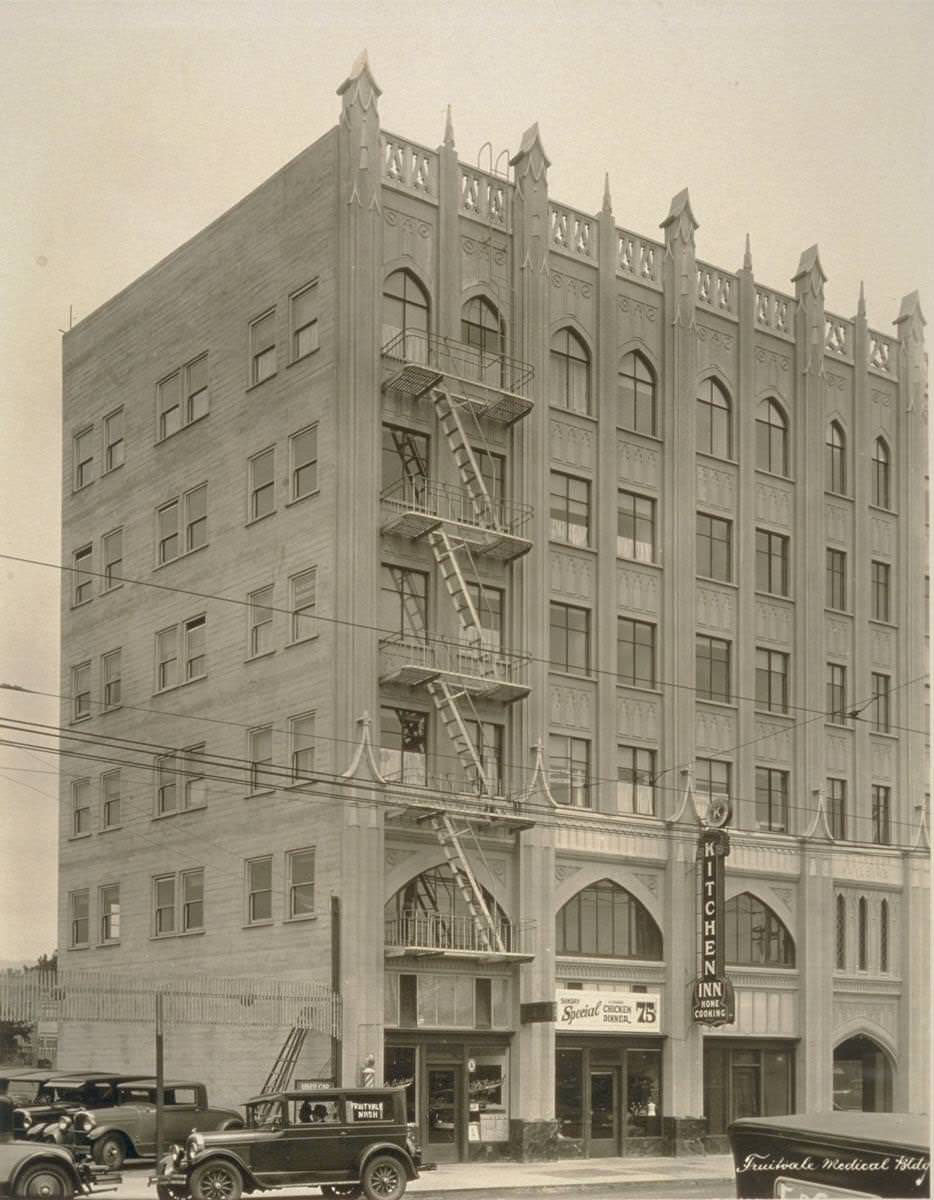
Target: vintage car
{"x":64,"y":1093}
{"x":127,"y":1128}
{"x":831,"y":1154}
{"x":30,"y":1169}
{"x":347,"y":1142}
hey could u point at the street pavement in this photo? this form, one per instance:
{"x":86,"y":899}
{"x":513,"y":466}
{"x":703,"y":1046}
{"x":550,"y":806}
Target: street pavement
{"x":702,"y":1177}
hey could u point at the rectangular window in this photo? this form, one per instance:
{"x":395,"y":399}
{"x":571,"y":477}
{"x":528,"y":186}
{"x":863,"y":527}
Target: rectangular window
{"x":166,"y":784}
{"x":163,"y":905}
{"x":569,"y":638}
{"x":262,"y":484}
{"x":635,"y":652}
{"x":772,"y":799}
{"x":113,"y":440}
{"x":836,"y":580}
{"x":81,"y":691}
{"x":881,"y":815}
{"x":635,"y":527}
{"x":836,"y":694}
{"x":880,"y":591}
{"x":169,"y":405}
{"x":836,"y":808}
{"x":303,"y":452}
{"x":569,"y":770}
{"x":303,"y":593}
{"x":881,"y":701}
{"x":259,"y":890}
{"x":260,"y":621}
{"x":304,"y":321}
{"x":83,"y":575}
{"x":108,"y":899}
{"x":260,"y":747}
{"x":84,"y":457}
{"x":195,"y":783}
{"x":196,"y":524}
{"x":302,"y":746}
{"x":79,"y":905}
{"x":197,"y":399}
{"x":80,"y":807}
{"x":112,"y":555}
{"x":192,"y":900}
{"x":166,"y":658}
{"x":488,"y":604}
{"x":405,"y":458}
{"x":772,"y":562}
{"x":301,"y":874}
{"x":196,"y":631}
{"x":263,"y":347}
{"x":771,"y":680}
{"x":167,"y":520}
{"x":714,"y":547}
{"x":570,"y":509}
{"x":110,"y":799}
{"x":635,"y":773}
{"x":712,"y":657}
{"x":487,"y":739}
{"x":111,"y":672}
{"x":492,"y":468}
{"x":403,"y":756}
{"x":712,"y":779}
{"x":404,"y":602}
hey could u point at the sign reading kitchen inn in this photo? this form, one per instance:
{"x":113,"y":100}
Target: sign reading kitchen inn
{"x":713,"y":1001}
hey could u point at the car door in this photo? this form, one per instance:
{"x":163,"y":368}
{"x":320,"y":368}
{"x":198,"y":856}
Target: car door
{"x":369,"y":1117}
{"x":320,"y":1149}
{"x":183,"y":1105}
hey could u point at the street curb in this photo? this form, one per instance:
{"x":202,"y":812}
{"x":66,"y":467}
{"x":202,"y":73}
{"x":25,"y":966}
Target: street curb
{"x":621,"y":1186}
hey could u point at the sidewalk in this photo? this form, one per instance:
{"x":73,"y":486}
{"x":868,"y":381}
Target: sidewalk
{"x":573,"y":1176}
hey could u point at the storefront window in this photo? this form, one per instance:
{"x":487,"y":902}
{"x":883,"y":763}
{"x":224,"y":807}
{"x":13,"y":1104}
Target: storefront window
{"x":643,"y":1093}
{"x":399,"y":1071}
{"x":746,"y":1080}
{"x":487,"y":1090}
{"x":569,"y":1076}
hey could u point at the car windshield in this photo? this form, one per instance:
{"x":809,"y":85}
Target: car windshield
{"x":267,"y":1114}
{"x":24,"y":1091}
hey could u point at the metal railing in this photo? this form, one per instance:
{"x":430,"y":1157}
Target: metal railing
{"x":455,"y":658}
{"x":434,"y":931}
{"x":452,"y":503}
{"x":460,"y":360}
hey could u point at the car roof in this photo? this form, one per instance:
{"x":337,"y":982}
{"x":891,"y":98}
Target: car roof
{"x":902,"y":1129}
{"x":150,"y":1081}
{"x":69,"y":1077}
{"x":323,"y":1094}
{"x":38,"y":1074}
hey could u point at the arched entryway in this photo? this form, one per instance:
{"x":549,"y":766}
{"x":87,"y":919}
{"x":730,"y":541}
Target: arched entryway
{"x":862,"y":1076}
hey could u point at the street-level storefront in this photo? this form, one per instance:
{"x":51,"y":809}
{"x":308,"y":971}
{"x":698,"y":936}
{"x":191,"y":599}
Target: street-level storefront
{"x":746,"y":1077}
{"x":608,"y":1073}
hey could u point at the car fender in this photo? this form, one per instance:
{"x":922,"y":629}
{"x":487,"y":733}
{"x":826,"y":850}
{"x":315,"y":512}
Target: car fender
{"x":100,"y":1131}
{"x":387,"y":1148}
{"x":51,"y":1155}
{"x":229,"y":1156}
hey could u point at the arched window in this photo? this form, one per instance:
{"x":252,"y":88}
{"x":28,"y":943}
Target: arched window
{"x":755,"y":936}
{"x":841,"y":934}
{"x":771,"y":438}
{"x":605,"y":921}
{"x":881,"y":474}
{"x":431,"y":912}
{"x":862,"y":935}
{"x":482,"y":328}
{"x":835,"y":459}
{"x":570,"y":372}
{"x":405,"y":317}
{"x":635,"y":395}
{"x":862,"y":1076}
{"x":884,"y":937}
{"x":714,"y":420}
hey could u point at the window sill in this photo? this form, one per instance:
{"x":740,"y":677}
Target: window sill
{"x":258,"y":924}
{"x":176,"y":686}
{"x":638,"y":687}
{"x":298,"y":920}
{"x":259,"y":383}
{"x":169,"y":436}
{"x":713,"y":579}
{"x":83,"y":488}
{"x":82,"y":604}
{"x":639,"y":562}
{"x":774,"y":475}
{"x":837,"y":612}
{"x":110,"y":709}
{"x":884,"y":733}
{"x":78,"y":837}
{"x":838,"y":495}
{"x":80,"y":720}
{"x":733,"y":462}
{"x":771,"y":712}
{"x":884,"y":624}
{"x":178,"y":812}
{"x":307,"y":496}
{"x":113,"y":588}
{"x":185,"y":933}
{"x":569,"y":673}
{"x":258,"y":520}
{"x":837,"y":725}
{"x":774,"y":596}
{"x":109,"y":828}
{"x":260,"y":792}
{"x":730,"y":704}
{"x":107,"y":945}
{"x":763,"y":828}
{"x":179,"y":557}
{"x":83,"y":946}
{"x":112,"y":470}
{"x":572,"y":546}
{"x":654,"y":437}
{"x":259,"y":657}
{"x":891,"y":512}
{"x":312,"y":637}
{"x":303,"y":357}
{"x":558,"y":408}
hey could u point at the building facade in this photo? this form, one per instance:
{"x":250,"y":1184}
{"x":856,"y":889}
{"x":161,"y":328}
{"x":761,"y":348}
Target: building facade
{"x":438,"y":552}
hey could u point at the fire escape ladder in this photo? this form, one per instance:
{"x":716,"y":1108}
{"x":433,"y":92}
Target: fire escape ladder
{"x":414,"y":466}
{"x":453,"y":429}
{"x":445,"y":550}
{"x":278,"y":1078}
{"x":446,"y":702}
{"x":449,"y":838}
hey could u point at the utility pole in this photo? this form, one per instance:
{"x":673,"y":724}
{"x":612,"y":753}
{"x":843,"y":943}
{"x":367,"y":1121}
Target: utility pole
{"x":160,"y":1076}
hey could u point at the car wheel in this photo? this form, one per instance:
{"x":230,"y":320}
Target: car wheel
{"x":216,"y":1181}
{"x":45,"y":1179}
{"x":383,"y":1178}
{"x":349,"y":1190}
{"x":164,"y":1192}
{"x":110,"y":1151}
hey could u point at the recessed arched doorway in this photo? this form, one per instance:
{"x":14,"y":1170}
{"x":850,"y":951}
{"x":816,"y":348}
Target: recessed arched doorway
{"x":862,"y":1076}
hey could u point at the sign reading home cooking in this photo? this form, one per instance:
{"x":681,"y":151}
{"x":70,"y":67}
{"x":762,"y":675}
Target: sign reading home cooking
{"x":713,"y":1002}
{"x":609,"y":1012}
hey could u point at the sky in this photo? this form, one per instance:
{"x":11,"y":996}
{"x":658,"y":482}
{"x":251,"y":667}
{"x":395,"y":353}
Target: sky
{"x":128,"y":126}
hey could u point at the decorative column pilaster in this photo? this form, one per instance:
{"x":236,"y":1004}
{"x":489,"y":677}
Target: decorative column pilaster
{"x":448,"y":268}
{"x":858,"y":575}
{"x":745,"y":547}
{"x":815,"y":958}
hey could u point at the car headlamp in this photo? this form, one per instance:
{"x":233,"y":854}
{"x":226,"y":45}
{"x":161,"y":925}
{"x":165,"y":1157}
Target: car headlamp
{"x":194,"y":1145}
{"x":84,"y":1121}
{"x":64,"y":1122}
{"x":22,"y":1118}
{"x":178,"y":1155}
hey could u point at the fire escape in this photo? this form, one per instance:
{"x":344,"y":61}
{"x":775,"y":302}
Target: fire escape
{"x":461,"y":525}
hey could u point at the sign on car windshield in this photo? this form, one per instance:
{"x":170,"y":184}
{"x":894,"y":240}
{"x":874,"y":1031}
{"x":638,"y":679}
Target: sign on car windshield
{"x":369,"y":1110}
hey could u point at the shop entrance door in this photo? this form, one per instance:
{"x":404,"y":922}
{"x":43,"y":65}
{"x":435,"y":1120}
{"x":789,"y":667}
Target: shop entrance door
{"x":445,"y":1110}
{"x":604,"y":1113}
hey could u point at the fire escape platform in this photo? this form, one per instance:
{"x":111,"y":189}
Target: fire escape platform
{"x":418,"y":674}
{"x":483,"y":956}
{"x":410,"y":522}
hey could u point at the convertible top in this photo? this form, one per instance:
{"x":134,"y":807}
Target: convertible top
{"x":907,"y":1130}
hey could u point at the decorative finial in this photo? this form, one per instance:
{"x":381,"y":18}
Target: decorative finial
{"x":449,"y":129}
{"x":809,"y":261}
{"x":747,"y":256}
{"x":530,"y":139}
{"x":910,"y":307}
{"x":861,"y":306}
{"x":607,"y":201}
{"x":360,"y":87}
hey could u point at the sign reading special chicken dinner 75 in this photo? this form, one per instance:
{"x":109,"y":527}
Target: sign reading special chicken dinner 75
{"x":609,"y":1012}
